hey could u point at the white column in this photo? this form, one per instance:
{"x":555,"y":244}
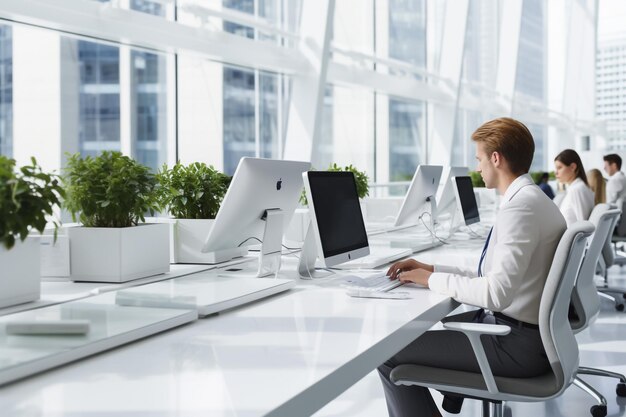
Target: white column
{"x":450,"y":66}
{"x":200,"y":111}
{"x":307,"y":94}
{"x":36,"y":97}
{"x":508,"y":48}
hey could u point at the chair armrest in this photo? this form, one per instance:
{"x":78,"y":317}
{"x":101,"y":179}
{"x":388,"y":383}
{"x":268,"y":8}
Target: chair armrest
{"x":482,"y":328}
{"x":473,"y":331}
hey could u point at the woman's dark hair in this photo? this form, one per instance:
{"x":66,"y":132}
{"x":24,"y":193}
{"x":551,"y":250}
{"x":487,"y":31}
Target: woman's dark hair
{"x":569,"y":157}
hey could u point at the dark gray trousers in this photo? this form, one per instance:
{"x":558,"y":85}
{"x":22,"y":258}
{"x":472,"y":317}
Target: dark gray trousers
{"x":518,"y":354}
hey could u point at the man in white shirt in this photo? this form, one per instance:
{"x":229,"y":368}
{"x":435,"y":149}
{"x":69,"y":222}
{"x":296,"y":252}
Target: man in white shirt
{"x":616,"y":186}
{"x":506,"y":286}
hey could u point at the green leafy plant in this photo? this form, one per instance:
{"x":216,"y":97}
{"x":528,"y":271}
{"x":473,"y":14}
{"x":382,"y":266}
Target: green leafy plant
{"x":27,"y":197}
{"x":477,"y":179}
{"x":110,"y":190}
{"x":362,"y":186}
{"x":194,"y":191}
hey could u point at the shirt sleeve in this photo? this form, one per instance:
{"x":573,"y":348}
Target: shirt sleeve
{"x":517,"y":236}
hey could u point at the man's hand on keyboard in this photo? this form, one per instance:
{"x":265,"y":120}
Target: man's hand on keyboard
{"x":408,"y":265}
{"x":418,"y":276}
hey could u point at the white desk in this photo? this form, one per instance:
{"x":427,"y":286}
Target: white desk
{"x":284,"y":356}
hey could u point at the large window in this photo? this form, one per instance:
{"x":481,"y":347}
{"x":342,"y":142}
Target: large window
{"x":99,"y":97}
{"x":6,"y":91}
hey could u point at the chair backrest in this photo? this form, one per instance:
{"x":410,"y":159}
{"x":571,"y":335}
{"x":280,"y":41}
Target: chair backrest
{"x":556,"y":334}
{"x":585,"y":297}
{"x":621,"y":224}
{"x":608,"y":253}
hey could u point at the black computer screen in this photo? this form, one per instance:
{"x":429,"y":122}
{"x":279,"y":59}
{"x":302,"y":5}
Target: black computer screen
{"x":467,"y":199}
{"x":338,"y":213}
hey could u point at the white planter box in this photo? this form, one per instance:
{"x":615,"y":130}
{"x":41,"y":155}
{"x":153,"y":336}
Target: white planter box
{"x":188,"y":237}
{"x":20,"y":281}
{"x":118,"y":255}
{"x":296,"y":232}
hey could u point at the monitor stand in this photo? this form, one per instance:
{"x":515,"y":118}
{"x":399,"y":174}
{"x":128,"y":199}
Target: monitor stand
{"x":271,"y":249}
{"x":308,"y":256}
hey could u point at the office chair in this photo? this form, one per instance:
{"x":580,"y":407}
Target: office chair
{"x":556,"y":334}
{"x":586,"y":301}
{"x":609,"y":258}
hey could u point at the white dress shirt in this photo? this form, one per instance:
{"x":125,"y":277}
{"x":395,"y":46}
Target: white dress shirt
{"x":577,"y":203}
{"x":616,"y":187}
{"x":526,"y":233}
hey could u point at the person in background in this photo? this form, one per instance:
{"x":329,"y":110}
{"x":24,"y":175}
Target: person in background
{"x":616,"y":187}
{"x":578,"y":201}
{"x":597,"y":185}
{"x":545,"y":187}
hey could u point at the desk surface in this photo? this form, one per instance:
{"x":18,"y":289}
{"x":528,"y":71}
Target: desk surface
{"x":283,"y":356}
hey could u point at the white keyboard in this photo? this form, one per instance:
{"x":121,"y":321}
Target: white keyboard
{"x":379,"y":282}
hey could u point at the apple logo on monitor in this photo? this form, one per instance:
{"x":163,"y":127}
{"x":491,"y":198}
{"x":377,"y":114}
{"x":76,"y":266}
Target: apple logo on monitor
{"x":279,"y":184}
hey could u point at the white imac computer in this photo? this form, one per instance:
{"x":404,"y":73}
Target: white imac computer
{"x":446,"y":201}
{"x":257,"y":208}
{"x":420,"y":197}
{"x":464,"y":191}
{"x":336,"y":232}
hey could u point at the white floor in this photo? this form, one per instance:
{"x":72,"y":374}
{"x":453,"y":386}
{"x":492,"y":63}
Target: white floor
{"x":603,"y":345}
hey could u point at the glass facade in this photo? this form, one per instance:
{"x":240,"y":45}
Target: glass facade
{"x":149,"y":98}
{"x":118,"y":94}
{"x":407,"y":121}
{"x":6,"y":91}
{"x":99,"y":98}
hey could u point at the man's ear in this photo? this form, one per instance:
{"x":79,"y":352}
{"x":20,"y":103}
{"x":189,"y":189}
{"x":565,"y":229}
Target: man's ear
{"x":496,"y":159}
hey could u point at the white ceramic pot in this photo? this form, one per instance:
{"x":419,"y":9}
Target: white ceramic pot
{"x":101,"y":254}
{"x":20,"y":280}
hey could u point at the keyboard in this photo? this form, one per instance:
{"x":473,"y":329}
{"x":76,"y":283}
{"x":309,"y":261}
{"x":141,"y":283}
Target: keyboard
{"x":378,"y":282}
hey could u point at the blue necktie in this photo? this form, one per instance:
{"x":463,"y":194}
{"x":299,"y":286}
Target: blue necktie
{"x":482,"y":256}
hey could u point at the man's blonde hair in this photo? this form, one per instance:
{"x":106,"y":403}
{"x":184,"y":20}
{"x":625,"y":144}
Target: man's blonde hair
{"x":509,"y":138}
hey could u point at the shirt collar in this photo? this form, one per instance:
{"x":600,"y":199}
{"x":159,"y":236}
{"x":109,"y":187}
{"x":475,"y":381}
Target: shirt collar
{"x":576,"y":182}
{"x":515,"y":186}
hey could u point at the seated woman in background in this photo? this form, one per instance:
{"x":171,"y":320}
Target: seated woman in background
{"x":597,"y":185}
{"x":545,"y":187}
{"x":578,"y":201}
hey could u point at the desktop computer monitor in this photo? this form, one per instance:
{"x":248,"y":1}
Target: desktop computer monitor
{"x":421,"y":191}
{"x":445,"y":195}
{"x":466,"y":200}
{"x":337,"y":232}
{"x":257,"y":207}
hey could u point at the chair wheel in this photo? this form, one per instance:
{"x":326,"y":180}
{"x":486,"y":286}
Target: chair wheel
{"x":598,"y":411}
{"x":620,"y":390}
{"x":619,"y":307}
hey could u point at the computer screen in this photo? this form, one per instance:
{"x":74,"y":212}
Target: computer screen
{"x":423,"y":188}
{"x":467,"y":199}
{"x":446,"y":199}
{"x":258,"y":185}
{"x":336,"y":216}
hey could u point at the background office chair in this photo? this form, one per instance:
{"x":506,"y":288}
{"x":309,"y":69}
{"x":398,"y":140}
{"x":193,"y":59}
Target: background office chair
{"x":556,"y":334}
{"x":610,"y":257}
{"x":586,"y":301}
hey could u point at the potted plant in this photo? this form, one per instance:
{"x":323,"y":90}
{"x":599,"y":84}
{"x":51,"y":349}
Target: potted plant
{"x":109,"y":195}
{"x":27,"y":199}
{"x":193,"y":195}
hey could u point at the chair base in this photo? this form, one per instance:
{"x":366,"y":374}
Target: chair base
{"x":598,"y":410}
{"x":605,"y":293}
